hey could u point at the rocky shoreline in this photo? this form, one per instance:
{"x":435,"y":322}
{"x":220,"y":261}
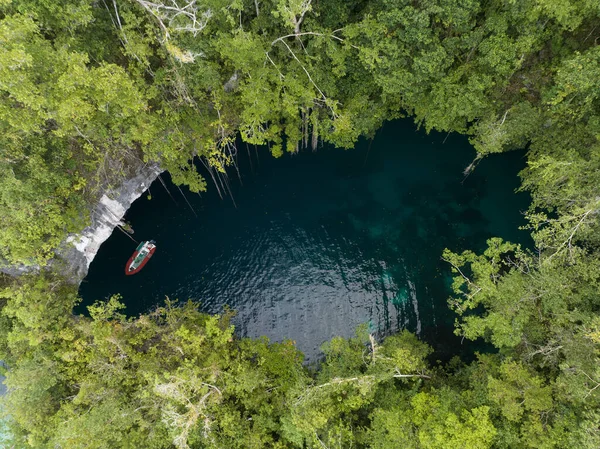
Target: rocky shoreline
{"x":79,"y":250}
{"x":75,"y":255}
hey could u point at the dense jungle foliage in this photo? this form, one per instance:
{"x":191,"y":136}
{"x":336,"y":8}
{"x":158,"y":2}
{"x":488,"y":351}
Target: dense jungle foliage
{"x":91,"y":88}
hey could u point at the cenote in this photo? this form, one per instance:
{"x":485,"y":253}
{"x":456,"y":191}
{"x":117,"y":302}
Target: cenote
{"x":318,"y":243}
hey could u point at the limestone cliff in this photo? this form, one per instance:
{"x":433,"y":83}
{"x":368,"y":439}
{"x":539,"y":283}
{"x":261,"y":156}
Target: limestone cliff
{"x":76,"y":255}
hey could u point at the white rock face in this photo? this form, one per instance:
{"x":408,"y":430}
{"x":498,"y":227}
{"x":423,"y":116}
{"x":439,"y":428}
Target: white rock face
{"x":80,"y":249}
{"x":108,"y":214}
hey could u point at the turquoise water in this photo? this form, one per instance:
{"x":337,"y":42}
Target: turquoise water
{"x":319,"y":243}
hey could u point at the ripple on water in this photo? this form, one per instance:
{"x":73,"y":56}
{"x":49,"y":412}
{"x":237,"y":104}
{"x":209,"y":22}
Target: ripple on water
{"x":320,"y":243}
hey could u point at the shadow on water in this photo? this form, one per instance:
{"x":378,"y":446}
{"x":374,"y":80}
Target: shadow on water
{"x":322,"y":242}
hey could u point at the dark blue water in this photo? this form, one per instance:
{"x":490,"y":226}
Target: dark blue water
{"x":322,"y":242}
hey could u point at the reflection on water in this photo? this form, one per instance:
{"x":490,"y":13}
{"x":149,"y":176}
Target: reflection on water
{"x":284,"y":281}
{"x":322,"y":242}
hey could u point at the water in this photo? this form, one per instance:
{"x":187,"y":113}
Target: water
{"x":322,"y":242}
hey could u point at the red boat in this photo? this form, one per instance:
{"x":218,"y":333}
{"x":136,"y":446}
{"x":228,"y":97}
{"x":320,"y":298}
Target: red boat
{"x":140,"y":257}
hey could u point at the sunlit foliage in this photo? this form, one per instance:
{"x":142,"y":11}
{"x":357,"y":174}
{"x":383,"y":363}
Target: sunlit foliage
{"x":89,"y":90}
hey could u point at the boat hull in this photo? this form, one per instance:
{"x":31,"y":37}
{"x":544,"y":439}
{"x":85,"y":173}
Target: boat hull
{"x":141,"y":265}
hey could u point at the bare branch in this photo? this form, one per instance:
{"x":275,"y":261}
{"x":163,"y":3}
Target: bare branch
{"x":309,"y":77}
{"x":458,"y":269}
{"x":403,"y":376}
{"x":373,"y":347}
{"x":256,"y":6}
{"x":177,"y":16}
{"x":311,"y":33}
{"x":305,"y":9}
{"x":593,"y":380}
{"x":569,"y":241}
{"x":281,"y":77}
